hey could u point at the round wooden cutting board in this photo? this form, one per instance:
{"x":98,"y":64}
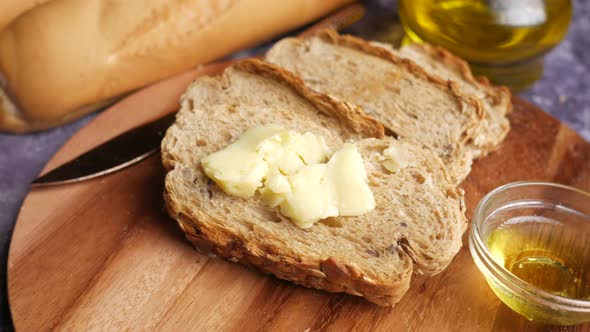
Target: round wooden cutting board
{"x":103,"y":254}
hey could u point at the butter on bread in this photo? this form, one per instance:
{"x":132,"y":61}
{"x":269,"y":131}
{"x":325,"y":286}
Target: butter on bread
{"x":293,"y":172}
{"x":95,"y":50}
{"x":416,"y":225}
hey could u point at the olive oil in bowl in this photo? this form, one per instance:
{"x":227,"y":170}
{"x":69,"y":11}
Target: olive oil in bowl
{"x":551,"y":255}
{"x":501,"y":39}
{"x":531,"y":241}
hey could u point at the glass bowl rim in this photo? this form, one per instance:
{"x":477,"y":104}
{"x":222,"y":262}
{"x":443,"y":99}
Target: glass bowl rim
{"x":505,"y":277}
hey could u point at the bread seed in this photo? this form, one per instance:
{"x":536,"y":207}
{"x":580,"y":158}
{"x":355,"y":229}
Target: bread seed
{"x":209,"y":191}
{"x":373,"y":252}
{"x":334,"y":270}
{"x":317,"y":273}
{"x":391,"y":249}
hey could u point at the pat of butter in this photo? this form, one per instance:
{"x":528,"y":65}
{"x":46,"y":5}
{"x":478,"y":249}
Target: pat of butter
{"x":347,"y":178}
{"x":276,"y":188}
{"x":310,"y":199}
{"x":290,"y":172}
{"x":338,"y":188}
{"x":239,"y":168}
{"x":396,"y":158}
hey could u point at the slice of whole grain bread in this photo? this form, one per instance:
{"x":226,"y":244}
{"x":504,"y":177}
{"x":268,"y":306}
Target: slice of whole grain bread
{"x":495,"y":99}
{"x":404,"y":97}
{"x":416,"y":226}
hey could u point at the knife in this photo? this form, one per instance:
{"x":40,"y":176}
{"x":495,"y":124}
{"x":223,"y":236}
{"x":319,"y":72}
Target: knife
{"x":115,"y":154}
{"x":139,"y":143}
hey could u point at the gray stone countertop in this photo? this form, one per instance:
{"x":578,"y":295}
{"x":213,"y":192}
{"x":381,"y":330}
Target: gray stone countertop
{"x":564,"y":92}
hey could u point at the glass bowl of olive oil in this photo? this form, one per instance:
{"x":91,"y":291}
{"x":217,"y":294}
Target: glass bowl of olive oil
{"x":531,"y":241}
{"x":501,"y":39}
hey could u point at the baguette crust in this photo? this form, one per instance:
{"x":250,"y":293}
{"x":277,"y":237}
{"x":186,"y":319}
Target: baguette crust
{"x":11,"y":9}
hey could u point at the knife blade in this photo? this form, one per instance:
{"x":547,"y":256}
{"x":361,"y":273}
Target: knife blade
{"x":115,"y":154}
{"x":139,"y":143}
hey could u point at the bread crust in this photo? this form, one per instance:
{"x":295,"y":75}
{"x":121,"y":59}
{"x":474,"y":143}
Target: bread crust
{"x":499,"y":97}
{"x":329,"y":275}
{"x":353,"y":115}
{"x":349,"y":41}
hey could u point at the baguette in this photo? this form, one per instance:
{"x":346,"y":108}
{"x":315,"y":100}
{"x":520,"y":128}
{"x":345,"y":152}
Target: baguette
{"x":11,"y":9}
{"x":409,"y":101}
{"x":416,"y":226}
{"x":65,"y":58}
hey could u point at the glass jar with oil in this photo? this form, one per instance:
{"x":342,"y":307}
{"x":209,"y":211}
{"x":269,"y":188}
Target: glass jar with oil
{"x":501,"y":39}
{"x":532,"y":243}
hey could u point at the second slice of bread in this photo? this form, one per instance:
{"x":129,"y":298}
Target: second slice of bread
{"x":396,"y":91}
{"x":416,"y":226}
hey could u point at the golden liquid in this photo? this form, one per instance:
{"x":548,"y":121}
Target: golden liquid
{"x":551,"y":256}
{"x":475,"y":31}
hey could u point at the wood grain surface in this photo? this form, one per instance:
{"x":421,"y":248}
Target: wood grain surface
{"x":103,"y":255}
